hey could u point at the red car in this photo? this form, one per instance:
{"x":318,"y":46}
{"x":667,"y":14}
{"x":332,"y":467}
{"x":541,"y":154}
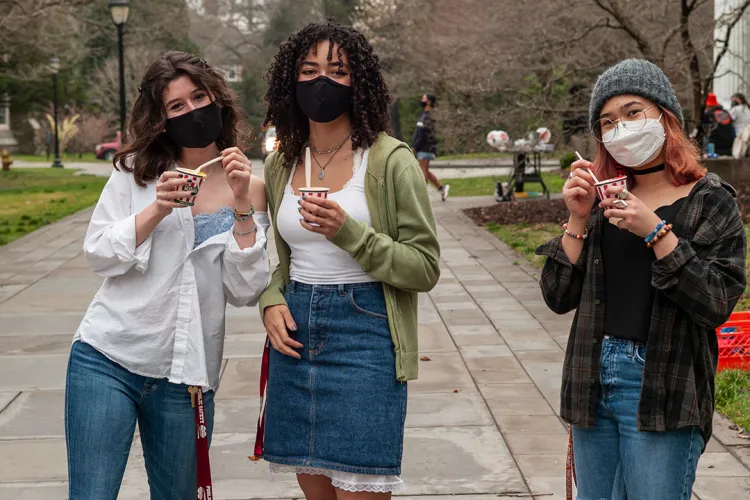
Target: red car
{"x":107,"y":150}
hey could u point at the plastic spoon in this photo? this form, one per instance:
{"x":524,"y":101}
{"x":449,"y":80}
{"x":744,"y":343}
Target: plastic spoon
{"x":210,"y":162}
{"x":308,"y":168}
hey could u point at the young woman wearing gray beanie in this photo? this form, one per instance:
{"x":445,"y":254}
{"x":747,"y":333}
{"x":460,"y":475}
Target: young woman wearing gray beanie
{"x":652,"y":271}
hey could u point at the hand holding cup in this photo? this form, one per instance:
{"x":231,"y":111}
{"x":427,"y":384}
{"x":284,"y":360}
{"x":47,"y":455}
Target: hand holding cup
{"x":169,"y":192}
{"x":634,"y":215}
{"x":321,"y":215}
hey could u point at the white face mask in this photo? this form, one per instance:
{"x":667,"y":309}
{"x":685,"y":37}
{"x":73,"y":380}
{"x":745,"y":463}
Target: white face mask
{"x":633,"y":149}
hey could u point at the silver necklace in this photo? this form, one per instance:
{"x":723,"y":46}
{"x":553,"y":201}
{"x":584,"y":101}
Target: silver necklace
{"x":322,"y":173}
{"x":329,"y":151}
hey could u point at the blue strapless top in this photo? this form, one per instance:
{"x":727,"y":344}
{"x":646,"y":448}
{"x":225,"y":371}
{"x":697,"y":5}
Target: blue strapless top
{"x":208,"y":225}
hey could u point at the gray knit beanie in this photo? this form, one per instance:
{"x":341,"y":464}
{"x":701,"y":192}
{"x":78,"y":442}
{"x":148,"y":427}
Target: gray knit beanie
{"x":638,"y":77}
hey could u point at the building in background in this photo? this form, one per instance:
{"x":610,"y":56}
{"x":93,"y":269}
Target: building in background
{"x":733,"y":73}
{"x":7,"y":141}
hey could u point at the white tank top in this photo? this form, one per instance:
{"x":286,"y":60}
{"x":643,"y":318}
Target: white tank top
{"x":314,"y":259}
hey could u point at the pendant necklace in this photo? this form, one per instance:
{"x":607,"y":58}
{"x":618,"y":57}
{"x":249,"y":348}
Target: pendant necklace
{"x":322,"y":174}
{"x":334,"y":150}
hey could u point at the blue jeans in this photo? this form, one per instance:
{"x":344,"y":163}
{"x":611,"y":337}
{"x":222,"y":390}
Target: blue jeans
{"x":614,"y":460}
{"x":103,"y":401}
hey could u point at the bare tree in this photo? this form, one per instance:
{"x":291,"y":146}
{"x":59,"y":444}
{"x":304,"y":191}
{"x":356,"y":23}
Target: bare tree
{"x":31,"y":31}
{"x":104,"y":88}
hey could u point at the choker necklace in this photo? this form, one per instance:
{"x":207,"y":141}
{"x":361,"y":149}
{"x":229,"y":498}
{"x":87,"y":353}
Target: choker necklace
{"x":332,"y":150}
{"x":651,"y":170}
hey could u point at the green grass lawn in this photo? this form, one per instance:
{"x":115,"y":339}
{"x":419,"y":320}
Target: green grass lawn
{"x":732,"y":386}
{"x":72,"y":157}
{"x":733,"y":396}
{"x":34,"y":197}
{"x":490,"y":154}
{"x":485,"y":186}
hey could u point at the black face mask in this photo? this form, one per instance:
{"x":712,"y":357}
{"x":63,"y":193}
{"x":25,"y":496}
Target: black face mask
{"x":423,"y":104}
{"x":196,"y":129}
{"x":323,"y":100}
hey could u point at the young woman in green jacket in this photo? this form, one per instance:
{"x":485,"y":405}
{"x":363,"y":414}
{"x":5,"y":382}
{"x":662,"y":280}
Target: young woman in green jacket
{"x":341,"y":309}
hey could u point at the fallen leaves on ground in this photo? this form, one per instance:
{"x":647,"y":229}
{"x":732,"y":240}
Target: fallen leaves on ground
{"x":518,"y":212}
{"x":425,"y":358}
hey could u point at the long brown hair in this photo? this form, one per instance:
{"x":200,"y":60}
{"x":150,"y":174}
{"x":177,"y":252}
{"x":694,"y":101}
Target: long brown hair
{"x":150,"y":151}
{"x":681,"y":158}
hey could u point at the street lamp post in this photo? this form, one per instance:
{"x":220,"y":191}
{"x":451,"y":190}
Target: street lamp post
{"x":119,"y":10}
{"x":55,"y":67}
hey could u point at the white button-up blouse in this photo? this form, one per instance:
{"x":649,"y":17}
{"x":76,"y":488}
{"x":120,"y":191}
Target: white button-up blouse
{"x":161,"y":310}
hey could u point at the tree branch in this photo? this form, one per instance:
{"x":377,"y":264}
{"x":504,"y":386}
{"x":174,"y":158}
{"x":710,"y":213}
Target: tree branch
{"x":628,"y":27}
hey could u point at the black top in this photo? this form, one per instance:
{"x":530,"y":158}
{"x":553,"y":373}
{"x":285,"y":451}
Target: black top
{"x":629,"y":295}
{"x":720,"y":130}
{"x":425,"y":140}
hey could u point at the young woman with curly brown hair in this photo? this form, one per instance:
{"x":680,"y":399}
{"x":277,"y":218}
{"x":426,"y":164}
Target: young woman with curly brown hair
{"x":154,"y":333}
{"x":341,"y":309}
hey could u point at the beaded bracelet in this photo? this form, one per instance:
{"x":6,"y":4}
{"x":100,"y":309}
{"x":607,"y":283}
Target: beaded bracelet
{"x":658,"y":236}
{"x":655,"y":231}
{"x":576,"y":236}
{"x":242,"y":216}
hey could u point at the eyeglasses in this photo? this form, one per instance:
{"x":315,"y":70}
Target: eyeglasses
{"x":604,"y":130}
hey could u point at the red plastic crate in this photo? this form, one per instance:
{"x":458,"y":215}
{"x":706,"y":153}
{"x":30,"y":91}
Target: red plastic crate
{"x":734,"y":345}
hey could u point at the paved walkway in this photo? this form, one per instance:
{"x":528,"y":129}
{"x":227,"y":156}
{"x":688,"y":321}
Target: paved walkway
{"x":482,"y":418}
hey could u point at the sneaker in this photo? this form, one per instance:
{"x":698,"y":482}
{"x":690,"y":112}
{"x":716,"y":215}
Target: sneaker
{"x":444,"y":192}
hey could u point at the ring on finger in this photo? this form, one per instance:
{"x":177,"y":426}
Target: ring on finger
{"x":624,"y":194}
{"x":621,"y":204}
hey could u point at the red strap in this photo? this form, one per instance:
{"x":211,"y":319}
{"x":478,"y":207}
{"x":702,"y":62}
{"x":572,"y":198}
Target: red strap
{"x":570,"y":467}
{"x":260,"y":433}
{"x":205,"y":487}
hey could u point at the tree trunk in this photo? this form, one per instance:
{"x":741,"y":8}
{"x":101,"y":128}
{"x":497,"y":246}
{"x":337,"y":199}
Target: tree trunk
{"x":695,"y":70}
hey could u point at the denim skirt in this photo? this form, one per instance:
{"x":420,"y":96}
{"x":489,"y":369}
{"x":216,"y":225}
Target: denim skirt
{"x":340,"y":407}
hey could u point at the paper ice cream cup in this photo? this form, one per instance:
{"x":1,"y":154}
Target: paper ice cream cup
{"x":313,"y":192}
{"x":601,"y":187}
{"x":195,"y":179}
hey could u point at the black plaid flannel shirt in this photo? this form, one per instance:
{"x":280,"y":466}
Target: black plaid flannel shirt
{"x":697,"y":286}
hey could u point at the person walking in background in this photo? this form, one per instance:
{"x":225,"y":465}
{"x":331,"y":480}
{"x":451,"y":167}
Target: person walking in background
{"x":424,"y":143}
{"x":651,"y":271}
{"x":740,"y":113}
{"x":341,"y":310}
{"x":718,"y":127}
{"x":150,"y":346}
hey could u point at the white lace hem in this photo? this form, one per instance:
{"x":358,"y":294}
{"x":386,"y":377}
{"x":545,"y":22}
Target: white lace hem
{"x":347,"y":481}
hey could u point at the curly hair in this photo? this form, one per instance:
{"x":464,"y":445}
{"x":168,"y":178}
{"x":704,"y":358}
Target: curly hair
{"x":370,"y":96}
{"x":152,"y":151}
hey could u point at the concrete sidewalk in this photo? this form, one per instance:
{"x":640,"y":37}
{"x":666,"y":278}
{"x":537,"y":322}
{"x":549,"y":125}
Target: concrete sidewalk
{"x":482,"y":418}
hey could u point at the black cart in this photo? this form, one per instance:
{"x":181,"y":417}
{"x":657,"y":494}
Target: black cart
{"x":527,"y":167}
